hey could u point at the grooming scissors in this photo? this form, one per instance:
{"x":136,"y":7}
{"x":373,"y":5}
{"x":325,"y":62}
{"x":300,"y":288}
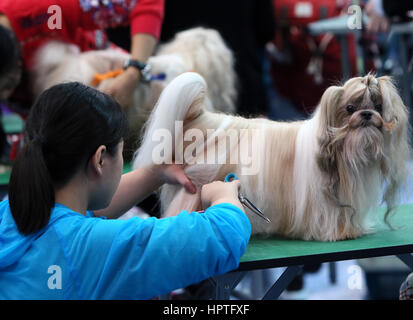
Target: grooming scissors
{"x":245,"y":202}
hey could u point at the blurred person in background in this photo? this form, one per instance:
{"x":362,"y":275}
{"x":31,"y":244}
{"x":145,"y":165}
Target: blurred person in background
{"x":303,"y":66}
{"x":26,"y":25}
{"x":381,"y":12}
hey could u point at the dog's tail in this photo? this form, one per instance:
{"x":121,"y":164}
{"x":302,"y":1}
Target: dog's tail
{"x":183,"y":99}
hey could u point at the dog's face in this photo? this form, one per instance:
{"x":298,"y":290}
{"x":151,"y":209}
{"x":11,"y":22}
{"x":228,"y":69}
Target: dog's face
{"x":361,"y":105}
{"x":359,"y":115}
{"x":356,"y":118}
{"x":362,"y":126}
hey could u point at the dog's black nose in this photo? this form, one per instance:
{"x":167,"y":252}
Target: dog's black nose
{"x":366,"y":115}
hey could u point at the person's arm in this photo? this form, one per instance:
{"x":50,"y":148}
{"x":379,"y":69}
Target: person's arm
{"x":380,"y":11}
{"x":143,"y":16}
{"x":378,"y":22}
{"x":145,"y":19}
{"x":123,"y":86}
{"x":135,"y":186}
{"x":141,"y":258}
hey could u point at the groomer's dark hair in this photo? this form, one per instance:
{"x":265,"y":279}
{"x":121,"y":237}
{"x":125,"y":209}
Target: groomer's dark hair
{"x":10,"y":59}
{"x":66,"y":125}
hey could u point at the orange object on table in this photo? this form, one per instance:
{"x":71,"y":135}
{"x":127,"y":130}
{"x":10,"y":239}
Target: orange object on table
{"x":99,"y":77}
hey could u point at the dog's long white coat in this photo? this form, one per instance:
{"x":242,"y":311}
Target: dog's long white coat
{"x":289,"y":186}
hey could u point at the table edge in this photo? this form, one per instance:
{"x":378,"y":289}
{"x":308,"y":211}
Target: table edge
{"x":325,"y":257}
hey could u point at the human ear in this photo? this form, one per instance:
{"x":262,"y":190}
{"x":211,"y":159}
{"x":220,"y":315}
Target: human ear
{"x":97,"y":159}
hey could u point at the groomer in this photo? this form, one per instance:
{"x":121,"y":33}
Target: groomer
{"x":26,"y":25}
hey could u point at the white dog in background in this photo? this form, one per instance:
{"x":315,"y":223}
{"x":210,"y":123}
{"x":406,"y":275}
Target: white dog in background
{"x":198,"y":49}
{"x":317,"y":179}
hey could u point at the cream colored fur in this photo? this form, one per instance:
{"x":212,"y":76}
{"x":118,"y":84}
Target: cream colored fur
{"x":317,"y":179}
{"x":199,"y":49}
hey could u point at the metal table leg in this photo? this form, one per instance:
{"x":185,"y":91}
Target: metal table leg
{"x":282,"y":282}
{"x":407,"y":258}
{"x":332,"y":272}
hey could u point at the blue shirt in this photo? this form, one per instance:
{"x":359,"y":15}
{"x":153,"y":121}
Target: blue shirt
{"x":84,"y":257}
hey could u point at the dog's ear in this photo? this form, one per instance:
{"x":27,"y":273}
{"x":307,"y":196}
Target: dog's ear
{"x":397,"y":146}
{"x":393,"y":107}
{"x":326,"y":113}
{"x":329,"y":103}
{"x":327,"y":160}
{"x":326,"y":117}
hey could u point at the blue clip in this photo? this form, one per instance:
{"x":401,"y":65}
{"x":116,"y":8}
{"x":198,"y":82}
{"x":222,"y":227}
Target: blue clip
{"x":246,"y":202}
{"x":231,"y":177}
{"x":158,"y":77}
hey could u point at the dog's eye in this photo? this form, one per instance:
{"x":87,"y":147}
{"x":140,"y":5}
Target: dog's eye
{"x":378,"y":107}
{"x":350,"y":108}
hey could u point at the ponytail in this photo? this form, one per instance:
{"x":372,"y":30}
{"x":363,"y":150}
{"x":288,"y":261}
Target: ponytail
{"x":66,"y":125}
{"x":31,"y":192}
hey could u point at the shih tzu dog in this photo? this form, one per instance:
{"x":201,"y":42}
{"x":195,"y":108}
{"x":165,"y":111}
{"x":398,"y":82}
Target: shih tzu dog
{"x":199,"y":49}
{"x":315,"y":179}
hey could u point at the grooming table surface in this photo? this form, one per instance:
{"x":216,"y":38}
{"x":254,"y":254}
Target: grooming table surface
{"x":276,"y":252}
{"x":12,"y":123}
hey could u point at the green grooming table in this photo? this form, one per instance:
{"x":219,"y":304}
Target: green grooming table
{"x":277,"y":252}
{"x":12,"y":123}
{"x":5,"y":176}
{"x":127,"y":167}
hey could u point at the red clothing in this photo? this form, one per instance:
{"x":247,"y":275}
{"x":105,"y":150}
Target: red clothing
{"x":80,"y":20}
{"x":292,"y":79}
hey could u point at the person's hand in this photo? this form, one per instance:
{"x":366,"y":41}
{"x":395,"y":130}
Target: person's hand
{"x":220,"y":192}
{"x":377,"y":22}
{"x":174,"y":174}
{"x":123,"y":87}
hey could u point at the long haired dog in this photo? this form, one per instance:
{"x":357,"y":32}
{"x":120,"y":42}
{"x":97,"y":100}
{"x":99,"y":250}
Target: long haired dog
{"x":198,"y":49}
{"x":315,"y":179}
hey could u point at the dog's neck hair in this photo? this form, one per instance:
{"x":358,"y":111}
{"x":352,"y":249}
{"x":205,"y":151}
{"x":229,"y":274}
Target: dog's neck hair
{"x":355,"y":193}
